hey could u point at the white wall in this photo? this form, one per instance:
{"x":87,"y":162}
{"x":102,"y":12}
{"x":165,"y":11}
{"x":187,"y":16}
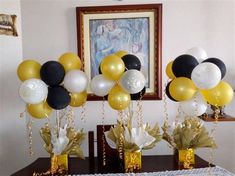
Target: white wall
{"x":12,"y":128}
{"x":49,"y":29}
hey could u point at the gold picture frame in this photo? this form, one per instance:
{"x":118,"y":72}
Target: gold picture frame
{"x":103,"y":30}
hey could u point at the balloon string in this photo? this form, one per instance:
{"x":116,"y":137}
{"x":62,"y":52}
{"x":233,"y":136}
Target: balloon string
{"x":120,"y":147}
{"x":83,"y":113}
{"x":57,"y":123}
{"x":30,"y":136}
{"x":215,"y":125}
{"x":103,"y":136}
{"x":70,"y":117}
{"x":22,"y":114}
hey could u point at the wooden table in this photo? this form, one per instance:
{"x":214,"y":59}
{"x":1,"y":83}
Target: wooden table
{"x":79,"y":166}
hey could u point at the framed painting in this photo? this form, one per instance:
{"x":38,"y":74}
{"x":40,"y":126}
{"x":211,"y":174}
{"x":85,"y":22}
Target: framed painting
{"x":137,"y":29}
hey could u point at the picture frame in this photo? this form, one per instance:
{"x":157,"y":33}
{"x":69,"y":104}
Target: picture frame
{"x":8,"y":25}
{"x":137,"y":29}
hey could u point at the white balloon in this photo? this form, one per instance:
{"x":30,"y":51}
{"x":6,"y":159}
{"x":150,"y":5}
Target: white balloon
{"x":206,"y":75}
{"x":198,"y":52}
{"x":132,"y":81}
{"x":75,"y":81}
{"x":33,"y":91}
{"x":195,"y":106}
{"x":101,"y":86}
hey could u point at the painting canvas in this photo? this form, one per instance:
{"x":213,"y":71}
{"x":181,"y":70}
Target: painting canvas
{"x":104,"y":30}
{"x":108,"y":36}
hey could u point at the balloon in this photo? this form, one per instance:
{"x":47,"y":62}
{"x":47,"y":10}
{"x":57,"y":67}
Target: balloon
{"x":168,"y":92}
{"x":52,"y":73}
{"x":39,"y":111}
{"x":33,"y":91}
{"x":58,"y":97}
{"x":195,"y":106}
{"x":70,"y":61}
{"x":183,"y":65}
{"x":138,"y":95}
{"x":75,"y":81}
{"x":206,"y":75}
{"x":121,"y":53}
{"x":197,"y":52}
{"x":182,"y":89}
{"x":101,"y":86}
{"x":219,"y":64}
{"x":78,"y":99}
{"x":131,"y":62}
{"x":118,"y":99}
{"x":220,"y":95}
{"x":132,"y":81}
{"x":112,"y":67}
{"x":28,"y":69}
{"x":169,"y":71}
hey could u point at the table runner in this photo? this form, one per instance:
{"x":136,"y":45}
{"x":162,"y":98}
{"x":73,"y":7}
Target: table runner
{"x":208,"y":171}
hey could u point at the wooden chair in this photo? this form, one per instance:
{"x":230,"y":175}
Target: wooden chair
{"x":105,"y":152}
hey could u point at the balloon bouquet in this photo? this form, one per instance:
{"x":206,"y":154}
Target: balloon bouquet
{"x":194,"y":84}
{"x":54,"y":86}
{"x":120,"y":79}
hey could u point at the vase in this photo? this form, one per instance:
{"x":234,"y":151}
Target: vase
{"x":132,"y":161}
{"x":59,"y":163}
{"x":186,"y":158}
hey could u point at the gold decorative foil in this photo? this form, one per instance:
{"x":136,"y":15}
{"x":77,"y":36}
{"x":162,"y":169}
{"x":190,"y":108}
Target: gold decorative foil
{"x":59,"y":163}
{"x":132,"y":161}
{"x":186,"y":158}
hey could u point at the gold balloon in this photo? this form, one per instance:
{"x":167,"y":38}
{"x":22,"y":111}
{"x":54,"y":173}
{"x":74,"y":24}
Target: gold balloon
{"x":112,"y":67}
{"x":182,"y":89}
{"x":220,"y":95}
{"x":118,"y":99}
{"x":78,"y":99}
{"x":28,"y":69}
{"x":70,"y":61}
{"x":169,"y":71}
{"x":121,"y":53}
{"x":39,"y":111}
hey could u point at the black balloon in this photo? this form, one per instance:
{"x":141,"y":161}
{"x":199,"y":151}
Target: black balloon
{"x":100,"y":70}
{"x":219,"y":63}
{"x":52,"y":73}
{"x":138,"y":95}
{"x":168,"y":92}
{"x":131,"y":62}
{"x":58,"y":97}
{"x":183,"y":65}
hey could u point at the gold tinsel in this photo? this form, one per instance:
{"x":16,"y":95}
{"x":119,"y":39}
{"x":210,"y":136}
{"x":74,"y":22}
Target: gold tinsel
{"x":189,"y":134}
{"x":116,"y":134}
{"x":73,"y":147}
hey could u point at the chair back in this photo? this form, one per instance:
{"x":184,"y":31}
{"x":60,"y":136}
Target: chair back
{"x":107,"y":156}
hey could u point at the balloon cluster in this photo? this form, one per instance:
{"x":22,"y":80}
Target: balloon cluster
{"x":194,"y":83}
{"x":120,"y":79}
{"x":54,"y":85}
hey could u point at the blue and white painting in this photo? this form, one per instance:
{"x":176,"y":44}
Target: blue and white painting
{"x":108,"y":36}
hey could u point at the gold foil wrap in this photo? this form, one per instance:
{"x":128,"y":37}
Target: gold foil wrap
{"x":132,"y":161}
{"x":186,"y":158}
{"x":59,"y":163}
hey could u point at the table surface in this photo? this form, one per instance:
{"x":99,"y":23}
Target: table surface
{"x":79,"y":166}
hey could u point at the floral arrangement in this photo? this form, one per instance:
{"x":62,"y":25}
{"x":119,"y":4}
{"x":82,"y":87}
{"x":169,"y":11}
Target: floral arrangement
{"x":189,"y":134}
{"x":132,"y":138}
{"x":65,"y":140}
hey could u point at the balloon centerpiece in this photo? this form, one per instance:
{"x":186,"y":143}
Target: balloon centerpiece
{"x":130,"y":140}
{"x":195,"y":84}
{"x":55,"y":86}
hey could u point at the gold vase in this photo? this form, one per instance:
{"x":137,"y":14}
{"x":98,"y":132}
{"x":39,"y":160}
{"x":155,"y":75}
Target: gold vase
{"x":59,"y":163}
{"x":186,"y":158}
{"x":132,"y":161}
